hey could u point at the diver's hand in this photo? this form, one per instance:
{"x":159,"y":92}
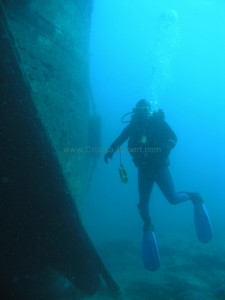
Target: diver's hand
{"x":166,"y":149}
{"x":108,"y":156}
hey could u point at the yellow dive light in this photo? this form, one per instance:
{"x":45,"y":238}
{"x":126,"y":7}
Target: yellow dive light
{"x":123,"y":174}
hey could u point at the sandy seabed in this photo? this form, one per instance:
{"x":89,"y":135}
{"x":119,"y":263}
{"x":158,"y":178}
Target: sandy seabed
{"x":189,"y":270}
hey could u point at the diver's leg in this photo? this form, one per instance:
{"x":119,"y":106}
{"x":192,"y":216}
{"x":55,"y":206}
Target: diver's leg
{"x":165,"y":182}
{"x":150,"y":252}
{"x":202,"y":222}
{"x":145,"y":185}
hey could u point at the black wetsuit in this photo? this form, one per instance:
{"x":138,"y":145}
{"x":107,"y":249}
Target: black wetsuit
{"x":149,"y":143}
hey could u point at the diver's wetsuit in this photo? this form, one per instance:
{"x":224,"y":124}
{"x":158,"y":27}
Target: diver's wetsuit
{"x":149,"y":143}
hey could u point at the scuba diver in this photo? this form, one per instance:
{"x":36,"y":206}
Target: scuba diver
{"x":150,"y":141}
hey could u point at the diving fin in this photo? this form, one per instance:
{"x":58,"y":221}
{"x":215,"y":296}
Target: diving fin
{"x":150,"y":253}
{"x":202,"y":223}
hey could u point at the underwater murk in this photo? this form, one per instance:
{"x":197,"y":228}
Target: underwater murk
{"x":172,"y":54}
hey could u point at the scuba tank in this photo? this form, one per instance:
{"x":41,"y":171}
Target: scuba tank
{"x":122,"y":171}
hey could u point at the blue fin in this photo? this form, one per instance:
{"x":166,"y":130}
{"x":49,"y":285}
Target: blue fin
{"x":202,"y":223}
{"x":150,"y":253}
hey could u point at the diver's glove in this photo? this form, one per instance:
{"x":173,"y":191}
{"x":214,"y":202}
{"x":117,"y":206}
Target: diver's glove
{"x":166,"y":149}
{"x":108,"y":155}
{"x":171,"y":144}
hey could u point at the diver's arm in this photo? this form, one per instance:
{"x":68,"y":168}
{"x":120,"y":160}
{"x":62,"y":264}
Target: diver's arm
{"x":117,"y":143}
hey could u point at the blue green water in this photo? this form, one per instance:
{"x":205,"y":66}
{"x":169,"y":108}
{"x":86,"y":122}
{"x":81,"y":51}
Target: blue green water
{"x":173,"y":54}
